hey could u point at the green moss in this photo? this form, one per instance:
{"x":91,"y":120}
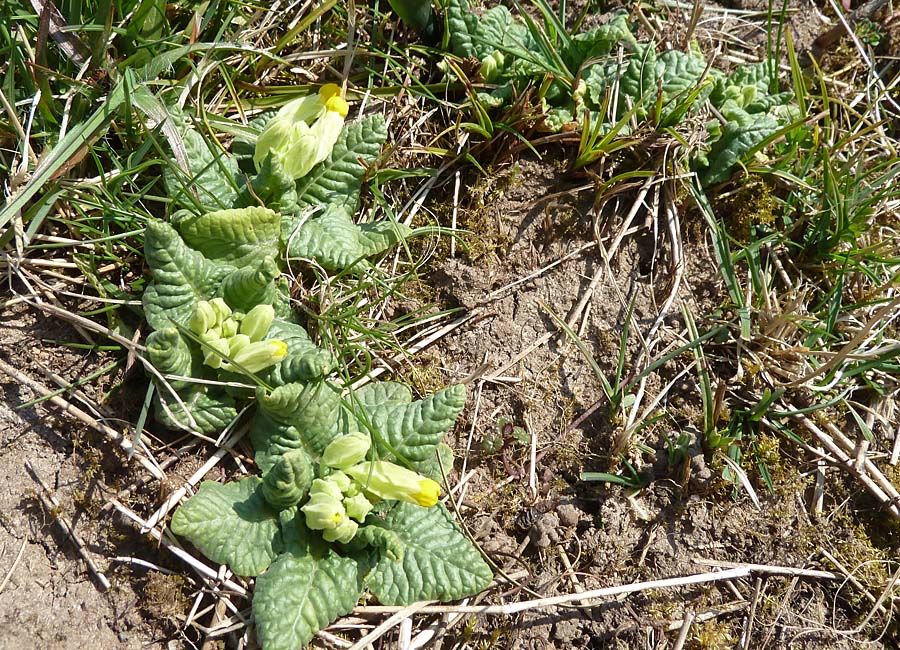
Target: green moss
{"x":753,"y":203}
{"x":712,"y":635}
{"x":424,"y":374}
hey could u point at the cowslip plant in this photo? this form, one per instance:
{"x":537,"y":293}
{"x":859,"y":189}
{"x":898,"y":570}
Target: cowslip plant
{"x":348,"y":497}
{"x":600,"y":76}
{"x":334,"y":512}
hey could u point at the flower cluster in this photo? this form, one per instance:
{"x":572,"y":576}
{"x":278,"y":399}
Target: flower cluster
{"x":232,"y":335}
{"x":340,"y":501}
{"x":302,"y":134}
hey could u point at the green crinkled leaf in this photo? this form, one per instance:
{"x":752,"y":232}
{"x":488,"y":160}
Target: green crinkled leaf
{"x":212,"y":180}
{"x":741,"y":134}
{"x":499,"y":30}
{"x":170,"y":353}
{"x":378,"y":236}
{"x":636,"y":76}
{"x":439,"y":562}
{"x":334,"y":241}
{"x":297,"y":416}
{"x":238,"y":237}
{"x":387,"y":543}
{"x":438,"y":465}
{"x":288,"y":480}
{"x":212,"y":410}
{"x":647,"y":79}
{"x":383,"y":393}
{"x":305,"y":360}
{"x":463,"y":24}
{"x":337,"y":180}
{"x":412,"y":430}
{"x":272,"y":439}
{"x":282,"y":303}
{"x":251,"y":285}
{"x":331,"y":238}
{"x":681,"y":73}
{"x":498,"y":96}
{"x":231,"y":524}
{"x":272,"y":186}
{"x":181,"y":276}
{"x":300,"y":594}
{"x":557,"y":118}
{"x":494,"y":30}
{"x":600,"y":41}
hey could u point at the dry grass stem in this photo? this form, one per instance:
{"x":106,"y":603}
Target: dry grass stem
{"x":395,"y":619}
{"x":875,"y":487}
{"x":767,"y":569}
{"x":742,"y":571}
{"x":751,"y":615}
{"x":686,"y":624}
{"x":203,"y":569}
{"x":13,"y":566}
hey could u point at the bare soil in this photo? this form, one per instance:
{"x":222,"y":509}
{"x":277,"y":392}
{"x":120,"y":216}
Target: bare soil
{"x":570,"y":535}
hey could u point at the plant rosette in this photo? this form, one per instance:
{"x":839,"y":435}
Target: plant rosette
{"x":335,"y":511}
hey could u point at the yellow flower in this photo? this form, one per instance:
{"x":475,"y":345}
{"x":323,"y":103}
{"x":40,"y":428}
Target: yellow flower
{"x":389,"y":481}
{"x":302,"y":134}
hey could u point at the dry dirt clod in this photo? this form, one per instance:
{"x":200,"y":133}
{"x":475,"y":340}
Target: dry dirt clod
{"x":545,"y":530}
{"x":568,"y":514}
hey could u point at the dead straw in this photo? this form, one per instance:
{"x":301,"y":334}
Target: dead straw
{"x":742,"y":571}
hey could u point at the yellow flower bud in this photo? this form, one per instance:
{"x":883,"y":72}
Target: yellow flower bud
{"x":342,"y":533}
{"x":229,"y":328}
{"x":258,"y":356}
{"x":357,"y":507}
{"x":323,"y":512}
{"x":326,"y":488}
{"x":202,"y":318}
{"x":346,"y":451}
{"x":257,"y":321}
{"x":340,"y":480}
{"x":223,"y":311}
{"x":237,"y":343}
{"x":215,"y":357}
